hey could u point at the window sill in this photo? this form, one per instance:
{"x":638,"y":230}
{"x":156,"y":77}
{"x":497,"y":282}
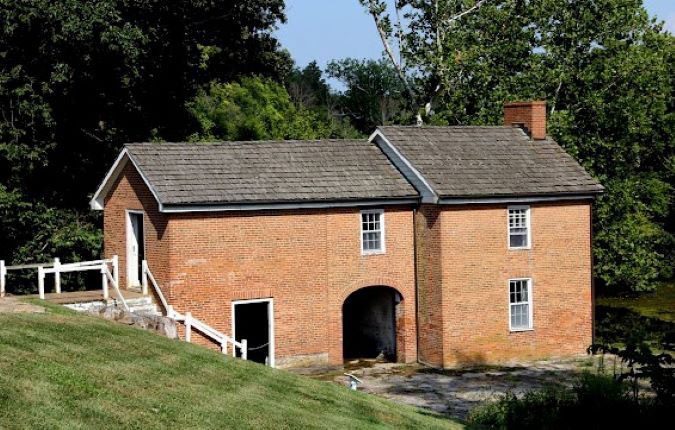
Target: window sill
{"x":365,"y":254}
{"x":523,"y":248}
{"x":518,"y":330}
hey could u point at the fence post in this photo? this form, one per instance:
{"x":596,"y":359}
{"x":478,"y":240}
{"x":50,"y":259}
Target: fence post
{"x":144,"y":276}
{"x":57,"y":275}
{"x":188,"y":326}
{"x":2,"y":278}
{"x":41,"y":282}
{"x":116,"y":269}
{"x":223,"y":347}
{"x":104,"y":283}
{"x":244,"y":349}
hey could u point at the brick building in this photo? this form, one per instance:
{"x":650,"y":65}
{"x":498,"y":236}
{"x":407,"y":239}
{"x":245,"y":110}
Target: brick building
{"x":444,"y":245}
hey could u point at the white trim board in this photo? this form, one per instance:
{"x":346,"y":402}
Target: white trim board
{"x":98,"y":200}
{"x":405,"y":167}
{"x":270,"y":322}
{"x":129,"y":230}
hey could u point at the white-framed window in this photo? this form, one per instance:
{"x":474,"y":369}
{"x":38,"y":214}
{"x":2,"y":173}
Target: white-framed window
{"x":520,"y":304}
{"x":372,"y":232}
{"x":519,"y":227}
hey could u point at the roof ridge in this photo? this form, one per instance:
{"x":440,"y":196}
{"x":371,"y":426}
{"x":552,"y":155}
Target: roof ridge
{"x":445,"y":126}
{"x":227,"y":142}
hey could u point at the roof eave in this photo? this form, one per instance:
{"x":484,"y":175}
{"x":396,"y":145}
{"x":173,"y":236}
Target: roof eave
{"x":282,"y":205}
{"x":525,"y":198}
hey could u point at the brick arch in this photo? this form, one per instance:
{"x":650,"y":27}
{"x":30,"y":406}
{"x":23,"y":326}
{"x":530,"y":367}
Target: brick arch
{"x":371,"y":282}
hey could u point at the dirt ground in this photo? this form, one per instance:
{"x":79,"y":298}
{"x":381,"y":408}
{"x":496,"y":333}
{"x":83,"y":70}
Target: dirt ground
{"x":13,"y":304}
{"x":454,"y":392}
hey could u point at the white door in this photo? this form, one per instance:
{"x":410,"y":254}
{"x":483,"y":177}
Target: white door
{"x":134,"y":247}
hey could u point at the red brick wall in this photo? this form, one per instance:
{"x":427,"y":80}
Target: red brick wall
{"x":130,"y":193}
{"x":308,"y":261}
{"x":476,"y":267}
{"x":531,"y":114}
{"x":429,"y":281}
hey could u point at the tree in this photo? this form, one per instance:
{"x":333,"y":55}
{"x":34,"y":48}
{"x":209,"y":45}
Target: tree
{"x":77,"y":79}
{"x":259,"y":109}
{"x":606,"y":71}
{"x":431,"y":27}
{"x":308,"y":88}
{"x":373,"y":95}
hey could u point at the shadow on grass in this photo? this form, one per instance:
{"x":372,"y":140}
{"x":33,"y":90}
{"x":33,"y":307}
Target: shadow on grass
{"x":616,"y":324}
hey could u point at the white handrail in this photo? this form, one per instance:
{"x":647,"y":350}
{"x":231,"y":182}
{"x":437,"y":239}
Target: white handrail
{"x":191,"y":322}
{"x":3,"y":274}
{"x":109,"y":278}
{"x":147,"y":274}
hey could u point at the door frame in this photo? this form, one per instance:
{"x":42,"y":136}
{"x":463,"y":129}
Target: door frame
{"x":270,"y":322}
{"x":129,"y":234}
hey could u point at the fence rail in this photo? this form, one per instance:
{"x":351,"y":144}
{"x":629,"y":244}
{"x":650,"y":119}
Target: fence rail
{"x":108,"y":278}
{"x":56,"y":268}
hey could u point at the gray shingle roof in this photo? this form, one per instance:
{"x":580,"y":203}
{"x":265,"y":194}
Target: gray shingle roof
{"x":462,"y":162}
{"x":268,"y":171}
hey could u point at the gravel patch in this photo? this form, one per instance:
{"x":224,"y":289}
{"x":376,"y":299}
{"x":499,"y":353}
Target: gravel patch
{"x":455,"y":391}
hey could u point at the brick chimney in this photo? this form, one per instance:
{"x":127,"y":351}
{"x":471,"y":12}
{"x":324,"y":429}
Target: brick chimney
{"x":529,"y":115}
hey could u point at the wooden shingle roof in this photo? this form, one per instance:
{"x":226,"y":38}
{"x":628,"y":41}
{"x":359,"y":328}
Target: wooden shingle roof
{"x":268,"y":171}
{"x":480,"y":162}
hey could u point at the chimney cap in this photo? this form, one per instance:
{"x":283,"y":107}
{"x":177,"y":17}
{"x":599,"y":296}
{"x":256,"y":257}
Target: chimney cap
{"x":525,"y":103}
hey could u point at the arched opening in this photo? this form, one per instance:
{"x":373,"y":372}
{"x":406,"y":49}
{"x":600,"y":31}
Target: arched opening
{"x":369,"y":323}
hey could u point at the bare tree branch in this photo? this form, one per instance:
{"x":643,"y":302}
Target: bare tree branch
{"x":376,"y":8}
{"x":390,"y":53}
{"x":478,"y":4}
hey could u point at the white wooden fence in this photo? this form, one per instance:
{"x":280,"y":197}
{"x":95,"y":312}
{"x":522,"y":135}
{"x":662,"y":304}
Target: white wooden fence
{"x":108,"y":277}
{"x":191,"y":322}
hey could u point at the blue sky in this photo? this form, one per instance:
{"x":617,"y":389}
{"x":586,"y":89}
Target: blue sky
{"x":323,"y":30}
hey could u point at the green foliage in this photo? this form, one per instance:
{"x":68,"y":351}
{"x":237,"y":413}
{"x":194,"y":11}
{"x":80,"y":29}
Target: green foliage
{"x":606,"y":71}
{"x":643,"y":364}
{"x":595,"y":402}
{"x":308,"y":88}
{"x":79,"y":78}
{"x":258,"y":109}
{"x":373,"y":95}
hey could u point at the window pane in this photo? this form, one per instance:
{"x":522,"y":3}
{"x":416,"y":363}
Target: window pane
{"x":520,"y":316}
{"x":371,"y":241}
{"x":518,"y":241}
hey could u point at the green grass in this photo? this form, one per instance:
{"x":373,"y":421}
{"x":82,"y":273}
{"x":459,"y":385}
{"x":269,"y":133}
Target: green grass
{"x":648,"y":316}
{"x":658,"y":304}
{"x":65,"y":370}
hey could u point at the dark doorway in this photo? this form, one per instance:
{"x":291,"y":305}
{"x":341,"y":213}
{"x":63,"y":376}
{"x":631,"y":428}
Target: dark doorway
{"x":369,"y":323}
{"x":252,"y":322}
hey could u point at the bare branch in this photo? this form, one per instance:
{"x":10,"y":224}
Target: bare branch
{"x":399,"y":31}
{"x":478,"y":4}
{"x":390,"y":53}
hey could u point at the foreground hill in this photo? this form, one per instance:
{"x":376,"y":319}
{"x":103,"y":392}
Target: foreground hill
{"x":60,"y":369}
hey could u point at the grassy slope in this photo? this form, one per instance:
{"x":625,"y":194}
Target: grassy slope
{"x":64,"y":370}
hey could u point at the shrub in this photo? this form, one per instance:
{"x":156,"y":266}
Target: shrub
{"x":595,"y":402}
